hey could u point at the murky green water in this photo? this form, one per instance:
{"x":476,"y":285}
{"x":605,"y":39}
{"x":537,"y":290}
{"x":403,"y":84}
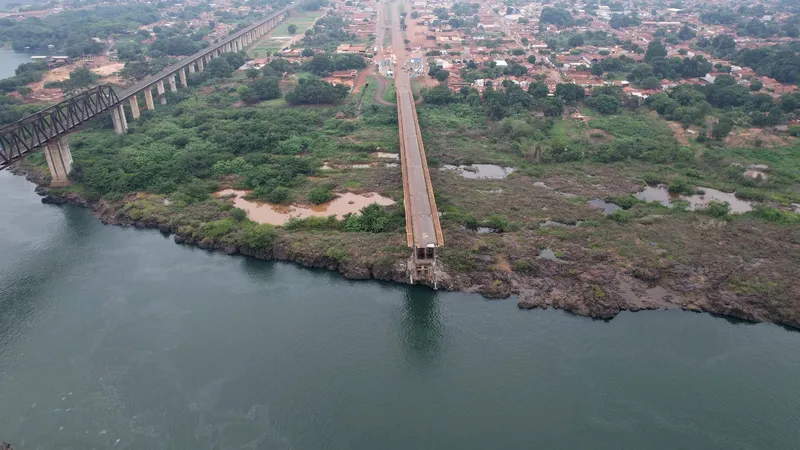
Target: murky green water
{"x":117,"y":338}
{"x":10,"y":60}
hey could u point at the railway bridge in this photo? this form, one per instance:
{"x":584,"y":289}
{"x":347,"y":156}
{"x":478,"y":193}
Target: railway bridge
{"x":48,"y":128}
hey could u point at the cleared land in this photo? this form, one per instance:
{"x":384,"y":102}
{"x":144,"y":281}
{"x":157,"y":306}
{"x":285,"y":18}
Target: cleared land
{"x":280,"y":37}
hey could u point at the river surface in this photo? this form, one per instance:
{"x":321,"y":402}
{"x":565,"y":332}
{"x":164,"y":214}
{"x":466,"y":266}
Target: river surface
{"x":118,"y":338}
{"x":10,"y":60}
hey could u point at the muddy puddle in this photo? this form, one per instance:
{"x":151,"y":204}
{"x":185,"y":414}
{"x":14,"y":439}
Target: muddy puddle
{"x":386,"y":155}
{"x":698,"y":201}
{"x":553,"y":223}
{"x":262,"y":212}
{"x":481,"y":171}
{"x":328,"y":166}
{"x":608,"y":208}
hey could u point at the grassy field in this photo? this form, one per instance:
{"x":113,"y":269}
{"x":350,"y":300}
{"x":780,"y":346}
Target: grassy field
{"x":389,"y":94}
{"x":303,"y":20}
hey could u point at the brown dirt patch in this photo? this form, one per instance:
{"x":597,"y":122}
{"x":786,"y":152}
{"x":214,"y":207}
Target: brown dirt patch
{"x":757,"y":137}
{"x":108,"y":69}
{"x":679,"y":132}
{"x":502,"y":264}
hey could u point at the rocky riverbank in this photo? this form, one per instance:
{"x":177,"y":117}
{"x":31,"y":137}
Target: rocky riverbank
{"x":582,"y":286}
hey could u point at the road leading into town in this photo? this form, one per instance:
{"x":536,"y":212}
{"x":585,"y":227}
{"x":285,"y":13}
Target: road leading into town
{"x":420,"y":205}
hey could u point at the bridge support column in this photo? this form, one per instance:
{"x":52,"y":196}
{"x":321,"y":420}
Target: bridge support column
{"x":191,"y":68}
{"x":119,"y":119}
{"x":148,"y":98}
{"x":173,"y":87}
{"x":59,"y":161}
{"x":160,"y":89}
{"x":122,"y":118}
{"x":200,"y":64}
{"x":135,"y":107}
{"x":182,"y":74}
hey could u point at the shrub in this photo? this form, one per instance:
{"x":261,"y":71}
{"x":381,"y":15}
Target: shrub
{"x":717,"y":209}
{"x":652,"y":179}
{"x":337,"y":254}
{"x":238,"y":214}
{"x":320,"y":194}
{"x":681,"y":186}
{"x":624,"y":201}
{"x":259,"y":236}
{"x":499,"y":223}
{"x":775,"y":215}
{"x":621,"y":216}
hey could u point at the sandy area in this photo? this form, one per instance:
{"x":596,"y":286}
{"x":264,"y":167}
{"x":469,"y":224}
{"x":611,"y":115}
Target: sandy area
{"x":679,"y":132}
{"x":108,"y":69}
{"x":99,"y":65}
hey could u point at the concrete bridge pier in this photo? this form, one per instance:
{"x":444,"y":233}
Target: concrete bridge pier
{"x":119,"y":119}
{"x":161,"y":90}
{"x":200,"y":63}
{"x":182,"y":74}
{"x":191,"y":68}
{"x":134,"y":107}
{"x":148,"y":98}
{"x":59,"y":161}
{"x":173,"y":87}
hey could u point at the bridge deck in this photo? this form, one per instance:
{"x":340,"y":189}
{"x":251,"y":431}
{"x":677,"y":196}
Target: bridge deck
{"x":420,"y":204}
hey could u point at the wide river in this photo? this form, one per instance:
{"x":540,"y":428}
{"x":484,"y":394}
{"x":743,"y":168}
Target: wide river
{"x":118,"y":338}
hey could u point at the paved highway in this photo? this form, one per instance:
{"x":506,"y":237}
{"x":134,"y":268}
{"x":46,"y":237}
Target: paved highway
{"x":424,"y":216}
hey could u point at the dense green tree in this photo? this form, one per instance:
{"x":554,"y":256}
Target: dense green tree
{"x":292,"y":28}
{"x":576,"y":41}
{"x":175,"y":46}
{"x":686,"y":33}
{"x":570,"y":93}
{"x":247,"y":94}
{"x":722,"y":128}
{"x":219,"y":68}
{"x":439,"y":95}
{"x":557,"y":16}
{"x":441,"y":75}
{"x":550,"y":106}
{"x":80,"y":79}
{"x":316,"y":91}
{"x":538,"y":90}
{"x":724,"y":80}
{"x":650,"y":83}
{"x":619,"y":21}
{"x":604,"y":103}
{"x":655,"y":50}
